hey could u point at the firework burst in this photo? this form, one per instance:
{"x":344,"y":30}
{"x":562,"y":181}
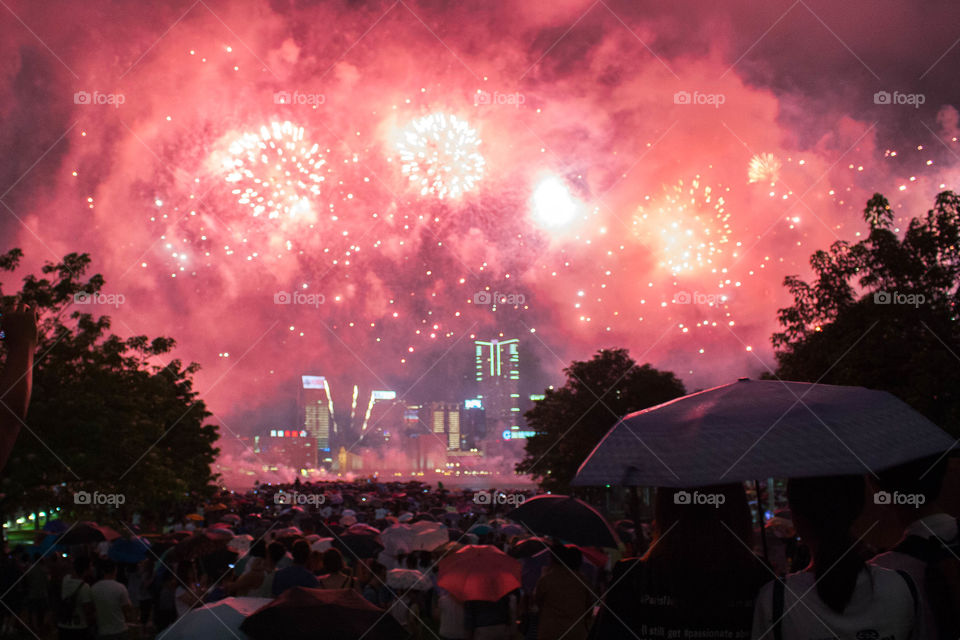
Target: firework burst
{"x":764,"y":167}
{"x":275,"y":172}
{"x":688,"y":226}
{"x":440,"y":156}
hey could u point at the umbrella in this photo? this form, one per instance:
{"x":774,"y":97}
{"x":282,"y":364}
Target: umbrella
{"x":761,"y":429}
{"x":406,"y":579}
{"x":241,"y":543}
{"x":55,"y":526}
{"x":479,"y":572}
{"x":361,"y":544}
{"x":512,"y":530}
{"x":480,"y":529}
{"x":333,"y":614}
{"x":216,"y":621}
{"x":130,"y":551}
{"x":232,"y":518}
{"x":87,"y":532}
{"x":565,"y":518}
{"x":529,"y":547}
{"x":196,"y":517}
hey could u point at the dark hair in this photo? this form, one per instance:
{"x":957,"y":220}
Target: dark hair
{"x":81,"y":564}
{"x":276,"y":551}
{"x":107,"y":566}
{"x":923,"y":476}
{"x":701,"y":552}
{"x":300,"y":551}
{"x":568,"y":555}
{"x":332,"y":561}
{"x":827,"y":508}
{"x":258,"y":549}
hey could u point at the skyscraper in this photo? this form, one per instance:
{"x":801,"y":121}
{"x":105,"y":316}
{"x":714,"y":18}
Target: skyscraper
{"x":316,"y":410}
{"x":498,"y":382}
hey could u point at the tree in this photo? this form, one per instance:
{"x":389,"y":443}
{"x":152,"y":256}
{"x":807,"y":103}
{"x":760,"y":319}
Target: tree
{"x":883,"y":313}
{"x":107,"y":414}
{"x":571,"y":420}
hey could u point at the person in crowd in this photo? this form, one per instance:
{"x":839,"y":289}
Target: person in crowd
{"x":334,"y":574}
{"x":838,"y":594}
{"x":257,"y":581}
{"x":297,"y":574}
{"x":929,"y":551}
{"x":564,"y":601}
{"x":452,"y":617}
{"x":372,"y":582}
{"x":188,"y":591}
{"x":698,"y":578}
{"x":19,"y":325}
{"x":75,"y":612}
{"x":165,"y":609}
{"x":111,"y":603}
{"x":144,"y":599}
{"x":490,"y":620}
{"x":36,"y":586}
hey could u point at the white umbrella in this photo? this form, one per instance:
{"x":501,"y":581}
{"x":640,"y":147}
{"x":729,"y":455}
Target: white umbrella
{"x":761,"y":429}
{"x":216,"y":621}
{"x":408,"y":579}
{"x":240,"y":544}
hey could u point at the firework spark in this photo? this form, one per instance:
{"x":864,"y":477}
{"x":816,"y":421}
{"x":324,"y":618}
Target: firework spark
{"x":688,"y":226}
{"x":275,"y":172}
{"x":440,"y":156}
{"x":764,"y":167}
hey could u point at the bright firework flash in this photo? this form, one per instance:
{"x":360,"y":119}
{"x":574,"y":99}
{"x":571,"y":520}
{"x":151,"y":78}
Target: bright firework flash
{"x":553,"y":205}
{"x":440,"y":155}
{"x":764,"y":167}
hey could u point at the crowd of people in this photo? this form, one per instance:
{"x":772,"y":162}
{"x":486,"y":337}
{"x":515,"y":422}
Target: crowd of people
{"x":696,"y":573}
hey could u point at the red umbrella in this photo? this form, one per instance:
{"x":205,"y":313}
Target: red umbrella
{"x":479,"y":572}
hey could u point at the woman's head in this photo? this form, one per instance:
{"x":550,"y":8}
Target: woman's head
{"x":824,"y":509}
{"x":703,"y":539}
{"x":332,"y":561}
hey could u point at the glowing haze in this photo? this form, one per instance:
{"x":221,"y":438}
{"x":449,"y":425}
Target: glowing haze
{"x":294,"y":187}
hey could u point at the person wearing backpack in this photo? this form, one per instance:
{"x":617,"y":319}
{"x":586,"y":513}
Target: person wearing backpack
{"x":930,"y":546}
{"x":75,"y":613}
{"x":839,"y":595}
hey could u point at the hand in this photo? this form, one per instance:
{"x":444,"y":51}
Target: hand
{"x":20,"y":326}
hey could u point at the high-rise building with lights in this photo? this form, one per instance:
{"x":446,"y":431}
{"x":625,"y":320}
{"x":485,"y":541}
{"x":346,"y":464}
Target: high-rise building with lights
{"x":316,"y":411}
{"x":498,"y":382}
{"x":443,"y":420}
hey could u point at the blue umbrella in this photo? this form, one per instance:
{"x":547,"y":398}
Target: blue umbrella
{"x":480,"y":529}
{"x":129,"y":551}
{"x":55,"y":526}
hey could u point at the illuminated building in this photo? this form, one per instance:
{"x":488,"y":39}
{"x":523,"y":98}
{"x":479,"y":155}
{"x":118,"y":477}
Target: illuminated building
{"x":316,"y":410}
{"x":498,"y":382}
{"x":292,"y":448}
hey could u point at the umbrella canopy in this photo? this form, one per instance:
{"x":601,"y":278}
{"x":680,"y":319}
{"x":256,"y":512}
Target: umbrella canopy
{"x":404,"y":579}
{"x":361,"y":545}
{"x":131,"y":550}
{"x":566,"y":518}
{"x":479,"y":572}
{"x":217,"y":621}
{"x":333,"y":614}
{"x":761,"y":429}
{"x":87,"y":532}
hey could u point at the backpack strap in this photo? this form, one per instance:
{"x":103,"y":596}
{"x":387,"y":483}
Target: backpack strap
{"x":779,"y":592}
{"x":913,"y":592}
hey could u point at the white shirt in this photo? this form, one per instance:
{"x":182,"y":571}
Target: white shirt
{"x":942,"y":525}
{"x":881,"y":603}
{"x":452,"y":617}
{"x":109,"y":599}
{"x":68,"y":587}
